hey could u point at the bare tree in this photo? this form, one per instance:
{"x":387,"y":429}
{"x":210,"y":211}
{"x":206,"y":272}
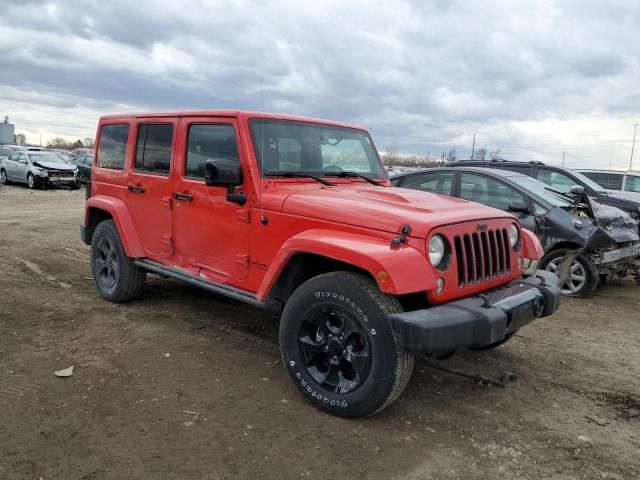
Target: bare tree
{"x":479,"y":154}
{"x":495,"y":154}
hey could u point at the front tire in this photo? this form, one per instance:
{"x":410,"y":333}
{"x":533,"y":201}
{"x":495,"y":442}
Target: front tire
{"x":338,"y":347}
{"x":31,"y":181}
{"x":3,"y":177}
{"x":584,"y":276}
{"x":117,"y":278}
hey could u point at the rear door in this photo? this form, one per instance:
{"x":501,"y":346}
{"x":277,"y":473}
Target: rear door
{"x":149,"y":185}
{"x":11,"y":165}
{"x":211,"y":233}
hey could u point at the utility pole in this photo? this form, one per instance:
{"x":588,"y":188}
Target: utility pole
{"x":563,"y":159}
{"x":635,"y":127}
{"x":473,"y":147}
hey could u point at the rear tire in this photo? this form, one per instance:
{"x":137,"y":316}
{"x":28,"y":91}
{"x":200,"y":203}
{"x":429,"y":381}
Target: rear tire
{"x":3,"y":177}
{"x":584,"y":267}
{"x":338,"y":347}
{"x":117,"y":278}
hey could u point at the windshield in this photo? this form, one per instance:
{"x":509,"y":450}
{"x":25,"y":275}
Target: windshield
{"x":312,"y":148}
{"x":47,"y":158}
{"x":542,"y":190}
{"x":588,"y":182}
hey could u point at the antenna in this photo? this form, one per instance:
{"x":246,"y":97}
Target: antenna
{"x":264,"y":220}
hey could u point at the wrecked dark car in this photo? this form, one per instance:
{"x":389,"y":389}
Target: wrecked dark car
{"x":602,"y":240}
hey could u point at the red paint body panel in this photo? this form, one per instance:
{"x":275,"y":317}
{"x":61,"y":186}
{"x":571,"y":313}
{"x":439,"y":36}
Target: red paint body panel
{"x":353,"y":221}
{"x":406,"y":267}
{"x":122,"y":219}
{"x":531,"y":247}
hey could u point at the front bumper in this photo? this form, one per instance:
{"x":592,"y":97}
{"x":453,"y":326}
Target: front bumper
{"x":478,"y":321}
{"x":55,"y":182}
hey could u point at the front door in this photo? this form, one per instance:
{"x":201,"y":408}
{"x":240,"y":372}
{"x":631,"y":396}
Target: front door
{"x":211,"y":233}
{"x":149,"y":185}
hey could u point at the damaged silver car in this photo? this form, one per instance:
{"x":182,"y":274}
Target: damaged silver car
{"x":38,"y":169}
{"x":601,"y":240}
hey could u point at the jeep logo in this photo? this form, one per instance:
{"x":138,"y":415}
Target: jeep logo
{"x":482,"y":227}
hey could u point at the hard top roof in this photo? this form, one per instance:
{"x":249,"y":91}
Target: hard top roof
{"x":241,"y":114}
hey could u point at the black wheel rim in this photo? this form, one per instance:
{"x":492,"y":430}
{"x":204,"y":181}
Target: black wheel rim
{"x":335,"y":349}
{"x":108,"y":270}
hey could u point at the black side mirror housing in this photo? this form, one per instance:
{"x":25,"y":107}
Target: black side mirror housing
{"x":577,"y":189}
{"x":223,"y":172}
{"x":519,"y":207}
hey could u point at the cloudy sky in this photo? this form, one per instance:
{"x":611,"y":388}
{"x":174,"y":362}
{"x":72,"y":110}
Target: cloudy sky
{"x":533,"y":78}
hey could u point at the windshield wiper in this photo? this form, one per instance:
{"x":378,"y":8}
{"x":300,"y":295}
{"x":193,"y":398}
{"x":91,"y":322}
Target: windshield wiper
{"x":277,"y":173}
{"x":564,"y":194}
{"x":349,"y":173}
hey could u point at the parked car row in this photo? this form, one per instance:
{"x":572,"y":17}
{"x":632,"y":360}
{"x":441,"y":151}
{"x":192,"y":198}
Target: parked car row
{"x":43,"y":168}
{"x":570,"y":214}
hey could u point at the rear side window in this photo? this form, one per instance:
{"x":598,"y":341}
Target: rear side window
{"x":153,"y":151}
{"x":607,"y":180}
{"x":113,"y":146}
{"x":436,"y":182}
{"x":208,"y":142}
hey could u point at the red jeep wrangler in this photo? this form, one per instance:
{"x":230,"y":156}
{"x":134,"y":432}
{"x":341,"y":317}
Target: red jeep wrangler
{"x":297,"y":215}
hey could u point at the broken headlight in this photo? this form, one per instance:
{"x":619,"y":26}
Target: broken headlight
{"x":514,"y":235}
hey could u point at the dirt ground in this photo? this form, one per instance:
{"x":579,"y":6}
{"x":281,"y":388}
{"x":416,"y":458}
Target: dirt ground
{"x":140,"y":368}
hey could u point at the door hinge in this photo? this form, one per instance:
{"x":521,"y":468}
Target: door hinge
{"x":243,"y":215}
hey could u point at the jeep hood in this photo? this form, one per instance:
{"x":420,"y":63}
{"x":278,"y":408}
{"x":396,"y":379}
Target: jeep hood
{"x":53,"y":166}
{"x":385,"y":208}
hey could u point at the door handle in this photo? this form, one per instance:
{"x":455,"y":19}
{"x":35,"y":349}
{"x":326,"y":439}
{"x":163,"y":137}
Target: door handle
{"x":183,"y":196}
{"x":134,"y":189}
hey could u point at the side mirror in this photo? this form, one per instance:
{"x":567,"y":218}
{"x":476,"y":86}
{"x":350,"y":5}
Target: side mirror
{"x":222,"y":172}
{"x":577,"y":189}
{"x":519,"y":207}
{"x":225,"y":173}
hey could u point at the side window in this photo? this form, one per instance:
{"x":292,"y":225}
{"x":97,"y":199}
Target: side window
{"x":435,"y":182}
{"x":113,"y":146}
{"x":153,"y":149}
{"x":206,"y":142}
{"x":488,"y":191}
{"x":606,"y":180}
{"x":633,"y":184}
{"x":556,"y":180}
{"x":14,"y":157}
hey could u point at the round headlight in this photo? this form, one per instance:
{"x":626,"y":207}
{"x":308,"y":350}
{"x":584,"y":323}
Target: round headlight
{"x":513,"y":235}
{"x":436,"y":250}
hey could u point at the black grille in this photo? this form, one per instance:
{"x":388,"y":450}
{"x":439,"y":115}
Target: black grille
{"x":482,"y":256}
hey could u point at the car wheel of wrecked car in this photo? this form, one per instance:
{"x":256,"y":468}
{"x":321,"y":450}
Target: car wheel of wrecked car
{"x":31,"y":181}
{"x":76,"y":186}
{"x":338,"y":347}
{"x":117,"y":278}
{"x":3,"y":177}
{"x":583,"y":278}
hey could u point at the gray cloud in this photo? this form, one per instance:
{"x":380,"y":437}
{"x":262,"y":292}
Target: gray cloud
{"x":533,"y":79}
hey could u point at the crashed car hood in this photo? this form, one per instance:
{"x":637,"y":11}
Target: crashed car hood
{"x":385,"y":208}
{"x":53,"y":166}
{"x":616,"y":222}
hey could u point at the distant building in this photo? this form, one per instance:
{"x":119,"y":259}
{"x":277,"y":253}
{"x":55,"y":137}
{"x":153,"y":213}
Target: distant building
{"x":21,"y":139}
{"x":7,"y":132}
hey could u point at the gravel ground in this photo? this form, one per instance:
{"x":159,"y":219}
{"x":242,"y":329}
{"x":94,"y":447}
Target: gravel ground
{"x":183,"y":384}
